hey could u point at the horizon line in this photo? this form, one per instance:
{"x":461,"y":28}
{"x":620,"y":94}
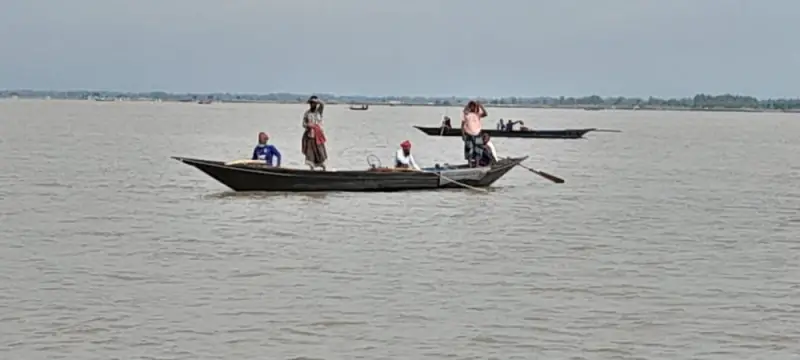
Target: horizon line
{"x":334,"y":95}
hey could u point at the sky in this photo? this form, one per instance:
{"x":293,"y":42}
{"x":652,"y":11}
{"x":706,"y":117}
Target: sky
{"x":664,"y":48}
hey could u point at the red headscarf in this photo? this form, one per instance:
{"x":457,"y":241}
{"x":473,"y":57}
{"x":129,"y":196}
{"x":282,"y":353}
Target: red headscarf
{"x":405,"y":145}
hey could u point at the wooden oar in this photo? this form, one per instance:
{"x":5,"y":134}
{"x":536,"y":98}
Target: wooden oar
{"x":607,"y":130}
{"x":545,"y":175}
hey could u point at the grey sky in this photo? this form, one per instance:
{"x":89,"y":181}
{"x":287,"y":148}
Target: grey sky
{"x":410,"y":47}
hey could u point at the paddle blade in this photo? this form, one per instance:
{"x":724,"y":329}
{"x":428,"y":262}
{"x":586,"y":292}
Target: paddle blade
{"x":547,"y":176}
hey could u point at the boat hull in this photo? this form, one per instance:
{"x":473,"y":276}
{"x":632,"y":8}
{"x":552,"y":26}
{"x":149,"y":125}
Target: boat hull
{"x":531,"y":134}
{"x":262,"y":178}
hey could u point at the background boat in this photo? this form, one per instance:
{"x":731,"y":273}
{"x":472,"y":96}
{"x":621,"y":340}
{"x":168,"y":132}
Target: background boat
{"x":531,"y":134}
{"x":359,"y":108}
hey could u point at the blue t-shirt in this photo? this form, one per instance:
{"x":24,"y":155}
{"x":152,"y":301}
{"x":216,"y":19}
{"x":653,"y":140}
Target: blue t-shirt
{"x":266,"y":153}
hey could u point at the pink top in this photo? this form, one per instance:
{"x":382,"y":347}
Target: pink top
{"x":472,"y":124}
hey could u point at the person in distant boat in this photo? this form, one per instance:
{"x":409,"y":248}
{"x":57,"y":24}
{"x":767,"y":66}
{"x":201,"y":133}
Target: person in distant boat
{"x":501,"y":125}
{"x":266,"y":152}
{"x":403,"y":158}
{"x":471,"y":132}
{"x":313,"y":142}
{"x":510,"y":124}
{"x":489,"y":152}
{"x":446,"y":123}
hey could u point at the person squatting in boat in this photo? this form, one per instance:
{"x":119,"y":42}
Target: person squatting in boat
{"x":313,"y":141}
{"x":471,"y":132}
{"x":489,"y":156}
{"x":510,"y":125}
{"x":266,"y":152}
{"x":403,"y":158}
{"x":446,"y":123}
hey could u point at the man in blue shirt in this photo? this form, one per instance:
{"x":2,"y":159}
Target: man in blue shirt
{"x":266,"y":152}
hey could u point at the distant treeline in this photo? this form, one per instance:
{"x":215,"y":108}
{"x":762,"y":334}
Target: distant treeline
{"x":700,"y":101}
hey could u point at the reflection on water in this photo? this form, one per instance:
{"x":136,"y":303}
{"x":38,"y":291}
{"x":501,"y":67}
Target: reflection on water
{"x":264,"y":194}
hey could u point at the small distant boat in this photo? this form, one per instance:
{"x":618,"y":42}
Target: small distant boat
{"x":250,"y":177}
{"x":528,"y":134}
{"x":360,"y":108}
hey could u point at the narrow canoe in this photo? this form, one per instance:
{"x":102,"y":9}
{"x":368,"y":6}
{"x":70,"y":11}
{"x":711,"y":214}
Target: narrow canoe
{"x":531,"y":134}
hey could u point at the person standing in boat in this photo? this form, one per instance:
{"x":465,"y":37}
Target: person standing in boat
{"x":501,"y":125}
{"x":403,"y":158}
{"x":313,"y":142}
{"x":471,"y":132}
{"x":266,"y":152}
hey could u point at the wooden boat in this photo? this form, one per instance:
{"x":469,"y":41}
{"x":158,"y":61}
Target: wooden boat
{"x":362,"y":107}
{"x":248,"y":177}
{"x":529,"y":134}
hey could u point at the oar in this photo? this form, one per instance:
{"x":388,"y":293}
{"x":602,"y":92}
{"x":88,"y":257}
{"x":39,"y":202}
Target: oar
{"x":545,"y":175}
{"x":607,"y":130}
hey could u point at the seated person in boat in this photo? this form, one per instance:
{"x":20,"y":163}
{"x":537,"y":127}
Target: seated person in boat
{"x":446,"y":123}
{"x":510,"y":124}
{"x":403,"y":158}
{"x":522,"y":127}
{"x":489,"y":155}
{"x":266,"y":152}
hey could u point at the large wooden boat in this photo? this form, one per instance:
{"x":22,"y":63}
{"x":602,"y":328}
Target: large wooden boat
{"x":249,"y":177}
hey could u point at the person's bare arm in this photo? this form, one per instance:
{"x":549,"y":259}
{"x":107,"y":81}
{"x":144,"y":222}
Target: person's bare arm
{"x":483,"y":112}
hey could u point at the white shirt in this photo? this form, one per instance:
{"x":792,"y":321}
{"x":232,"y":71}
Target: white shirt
{"x":401,"y":158}
{"x":494,"y":152}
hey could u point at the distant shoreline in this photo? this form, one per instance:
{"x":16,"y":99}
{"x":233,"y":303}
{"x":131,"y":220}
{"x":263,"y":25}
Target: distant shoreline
{"x":700,"y":102}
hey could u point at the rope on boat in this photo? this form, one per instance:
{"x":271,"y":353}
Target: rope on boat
{"x":262,"y":171}
{"x":462,"y":184}
{"x":369,"y":163}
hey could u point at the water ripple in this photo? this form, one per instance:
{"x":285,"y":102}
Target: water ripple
{"x":660,"y":245}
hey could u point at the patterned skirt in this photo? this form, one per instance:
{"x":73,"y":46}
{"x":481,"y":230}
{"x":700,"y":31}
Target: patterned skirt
{"x":473,"y":148}
{"x":315,"y":154}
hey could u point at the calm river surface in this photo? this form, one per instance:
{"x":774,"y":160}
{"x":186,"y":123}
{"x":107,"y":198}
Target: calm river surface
{"x":676,"y":239}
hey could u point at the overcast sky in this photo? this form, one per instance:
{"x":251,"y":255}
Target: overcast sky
{"x":411,"y":47}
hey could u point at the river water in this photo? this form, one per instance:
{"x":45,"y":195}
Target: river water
{"x":678,"y":238}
